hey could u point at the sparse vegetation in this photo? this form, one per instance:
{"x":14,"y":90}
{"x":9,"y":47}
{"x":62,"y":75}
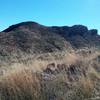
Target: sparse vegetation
{"x":72,"y":77}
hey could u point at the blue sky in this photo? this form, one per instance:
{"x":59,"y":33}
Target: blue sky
{"x":50,"y":12}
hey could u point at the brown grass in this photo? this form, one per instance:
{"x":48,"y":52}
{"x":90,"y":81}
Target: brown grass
{"x":27,"y":83}
{"x":20,"y":85}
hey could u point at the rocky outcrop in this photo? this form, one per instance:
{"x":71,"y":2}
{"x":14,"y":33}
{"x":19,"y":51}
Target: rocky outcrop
{"x":79,"y":36}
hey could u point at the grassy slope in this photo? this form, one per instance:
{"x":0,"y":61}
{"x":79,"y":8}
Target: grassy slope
{"x":57,"y":76}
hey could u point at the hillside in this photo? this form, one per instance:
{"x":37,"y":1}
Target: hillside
{"x":36,"y":38}
{"x":79,"y":36}
{"x":40,"y":62}
{"x":33,"y":38}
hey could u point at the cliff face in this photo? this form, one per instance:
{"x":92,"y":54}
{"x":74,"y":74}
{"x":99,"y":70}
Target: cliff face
{"x":31,"y":37}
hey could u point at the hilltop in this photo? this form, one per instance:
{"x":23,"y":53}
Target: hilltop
{"x":31,"y":37}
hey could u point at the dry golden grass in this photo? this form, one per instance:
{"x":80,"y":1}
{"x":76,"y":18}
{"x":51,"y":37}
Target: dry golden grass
{"x":25,"y":81}
{"x":87,"y":86}
{"x":20,"y":85}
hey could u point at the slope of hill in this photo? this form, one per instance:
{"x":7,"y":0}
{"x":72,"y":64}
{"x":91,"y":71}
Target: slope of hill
{"x":49,"y":63}
{"x":29,"y":38}
{"x":79,"y":36}
{"x":33,"y":37}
